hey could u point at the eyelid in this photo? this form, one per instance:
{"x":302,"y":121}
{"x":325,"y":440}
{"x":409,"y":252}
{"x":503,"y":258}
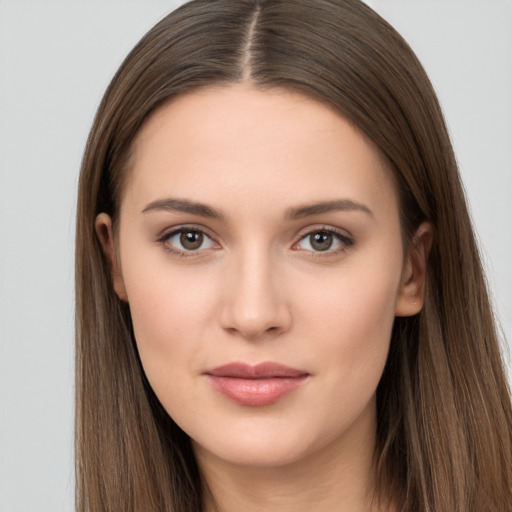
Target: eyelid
{"x":170,"y":230}
{"x":164,"y":236}
{"x":345,"y":238}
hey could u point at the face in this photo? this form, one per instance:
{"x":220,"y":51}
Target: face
{"x":260,"y":252}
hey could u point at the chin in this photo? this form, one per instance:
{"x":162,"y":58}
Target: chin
{"x":264,"y":444}
{"x":254,"y":453}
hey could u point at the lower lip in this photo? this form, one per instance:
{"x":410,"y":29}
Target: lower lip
{"x":255,"y":392}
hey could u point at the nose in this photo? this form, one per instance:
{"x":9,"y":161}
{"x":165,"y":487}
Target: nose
{"x":255,"y":302}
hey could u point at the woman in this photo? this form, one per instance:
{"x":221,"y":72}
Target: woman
{"x":280,"y":303}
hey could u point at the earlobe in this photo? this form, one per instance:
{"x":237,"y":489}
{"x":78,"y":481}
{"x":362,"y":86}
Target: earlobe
{"x":104,"y":231}
{"x":411,"y":294}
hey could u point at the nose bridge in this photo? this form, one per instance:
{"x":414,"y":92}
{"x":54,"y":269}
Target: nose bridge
{"x":254,"y":301}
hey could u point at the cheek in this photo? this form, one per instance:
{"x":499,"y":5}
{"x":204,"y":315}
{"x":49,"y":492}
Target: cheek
{"x":169,"y":312}
{"x":350,"y":324}
{"x":353,"y":320}
{"x":168,"y":316}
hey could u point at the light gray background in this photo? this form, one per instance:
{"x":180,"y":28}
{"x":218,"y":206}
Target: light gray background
{"x":56,"y":58}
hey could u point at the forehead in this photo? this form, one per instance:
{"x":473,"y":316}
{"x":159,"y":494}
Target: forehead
{"x":218,"y":143}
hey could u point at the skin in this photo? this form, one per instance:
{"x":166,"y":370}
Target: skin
{"x":258,"y":289}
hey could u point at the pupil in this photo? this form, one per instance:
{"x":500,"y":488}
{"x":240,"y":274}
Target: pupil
{"x":321,"y":241}
{"x":191,"y":240}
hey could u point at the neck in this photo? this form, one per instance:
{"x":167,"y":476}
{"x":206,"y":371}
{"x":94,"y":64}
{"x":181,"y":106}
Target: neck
{"x":340,"y":477}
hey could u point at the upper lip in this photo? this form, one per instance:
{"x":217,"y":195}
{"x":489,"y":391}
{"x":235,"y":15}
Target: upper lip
{"x":264,"y":370}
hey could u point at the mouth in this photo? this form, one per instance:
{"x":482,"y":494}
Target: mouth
{"x":258,"y":385}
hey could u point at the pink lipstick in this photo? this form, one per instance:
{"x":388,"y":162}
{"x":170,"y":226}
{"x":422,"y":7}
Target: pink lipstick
{"x":258,"y":385}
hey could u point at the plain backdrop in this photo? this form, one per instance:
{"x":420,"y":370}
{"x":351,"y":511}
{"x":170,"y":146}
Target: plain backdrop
{"x":56,"y":58}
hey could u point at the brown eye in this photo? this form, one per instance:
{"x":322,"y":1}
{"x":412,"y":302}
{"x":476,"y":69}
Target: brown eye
{"x":324,"y":240}
{"x":321,"y":241}
{"x":191,"y":240}
{"x":187,"y":241}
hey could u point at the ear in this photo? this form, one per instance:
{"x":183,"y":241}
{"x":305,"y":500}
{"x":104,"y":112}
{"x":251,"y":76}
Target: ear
{"x":411,"y":293}
{"x":105,"y":233}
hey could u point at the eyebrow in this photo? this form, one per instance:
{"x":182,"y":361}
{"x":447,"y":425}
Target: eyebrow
{"x":338,"y":205}
{"x":203,"y":210}
{"x":185,"y":206}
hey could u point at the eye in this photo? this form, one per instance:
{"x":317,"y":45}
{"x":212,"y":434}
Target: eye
{"x":324,"y":240}
{"x":187,"y":240}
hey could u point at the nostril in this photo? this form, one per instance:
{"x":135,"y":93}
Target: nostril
{"x":252,"y":333}
{"x":254,"y":309}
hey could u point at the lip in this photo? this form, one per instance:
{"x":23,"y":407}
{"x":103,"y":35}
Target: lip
{"x":255,"y":385}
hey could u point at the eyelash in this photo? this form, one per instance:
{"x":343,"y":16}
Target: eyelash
{"x":345,"y":241}
{"x":164,"y":239}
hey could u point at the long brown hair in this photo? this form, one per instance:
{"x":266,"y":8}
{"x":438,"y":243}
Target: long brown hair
{"x":444,"y":439}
